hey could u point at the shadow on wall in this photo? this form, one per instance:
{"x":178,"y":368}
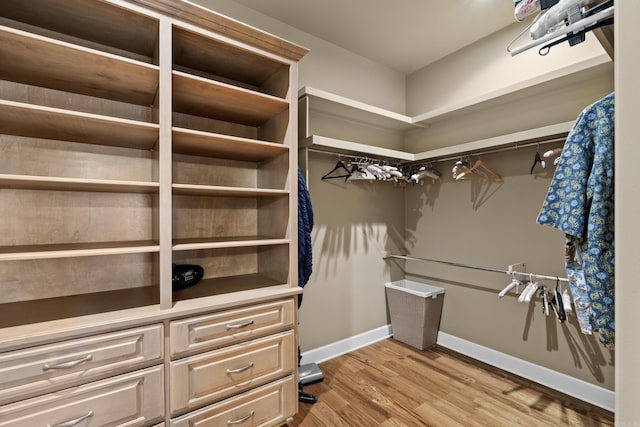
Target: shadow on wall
{"x":585,"y":350}
{"x":421,"y":198}
{"x":355,"y":218}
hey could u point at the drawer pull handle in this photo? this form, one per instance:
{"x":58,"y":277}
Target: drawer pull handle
{"x":72,"y":422}
{"x":236,"y":371}
{"x":241,"y":420}
{"x":240,"y":325}
{"x":67,"y":365}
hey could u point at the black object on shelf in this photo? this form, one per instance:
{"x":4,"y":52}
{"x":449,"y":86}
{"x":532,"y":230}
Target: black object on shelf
{"x":185,"y":275}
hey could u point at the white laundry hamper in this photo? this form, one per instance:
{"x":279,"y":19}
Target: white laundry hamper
{"x":415,"y":309}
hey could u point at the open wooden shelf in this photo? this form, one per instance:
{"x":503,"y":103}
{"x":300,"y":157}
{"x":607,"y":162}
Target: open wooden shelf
{"x":48,"y":309}
{"x":72,"y":184}
{"x":139,"y":133}
{"x":211,"y":190}
{"x":225,"y":62}
{"x":72,"y":250}
{"x":76,"y":69}
{"x":226,"y":285}
{"x":89,"y":22}
{"x":17,"y":118}
{"x":198,"y":143}
{"x":208,"y":98}
{"x":226,"y":242}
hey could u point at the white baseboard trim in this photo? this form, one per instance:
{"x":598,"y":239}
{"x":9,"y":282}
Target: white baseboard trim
{"x":558,"y":381}
{"x":577,"y":388}
{"x":346,"y":345}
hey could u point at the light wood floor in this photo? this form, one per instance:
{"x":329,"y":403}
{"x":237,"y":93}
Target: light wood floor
{"x":391,"y":384}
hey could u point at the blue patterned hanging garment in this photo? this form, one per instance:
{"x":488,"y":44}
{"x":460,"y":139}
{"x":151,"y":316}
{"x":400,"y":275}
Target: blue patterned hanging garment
{"x":580,"y":202}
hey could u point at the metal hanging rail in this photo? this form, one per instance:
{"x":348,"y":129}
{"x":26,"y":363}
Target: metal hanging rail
{"x":456,"y":156}
{"x":476,"y":267}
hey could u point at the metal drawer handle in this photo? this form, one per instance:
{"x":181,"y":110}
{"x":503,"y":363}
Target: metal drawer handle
{"x":244,"y":368}
{"x":240,"y":325}
{"x":241,"y":420}
{"x":72,"y":422}
{"x":67,"y":365}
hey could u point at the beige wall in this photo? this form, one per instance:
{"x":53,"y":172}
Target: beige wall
{"x":627,"y":213}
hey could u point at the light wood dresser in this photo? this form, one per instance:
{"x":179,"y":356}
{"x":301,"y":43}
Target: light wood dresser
{"x":135,"y":135}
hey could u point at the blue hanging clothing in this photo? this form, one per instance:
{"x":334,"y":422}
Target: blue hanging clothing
{"x":580,"y":202}
{"x":305,"y":225}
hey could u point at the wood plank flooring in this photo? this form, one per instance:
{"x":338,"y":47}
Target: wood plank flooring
{"x":391,"y":384}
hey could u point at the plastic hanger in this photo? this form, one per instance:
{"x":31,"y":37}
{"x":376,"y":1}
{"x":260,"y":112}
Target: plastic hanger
{"x":460,"y":167}
{"x":537,"y":160}
{"x":339,"y":166}
{"x":515,"y":283}
{"x":529,"y":291}
{"x":557,"y":304}
{"x":556,"y":152}
{"x":479,"y":165}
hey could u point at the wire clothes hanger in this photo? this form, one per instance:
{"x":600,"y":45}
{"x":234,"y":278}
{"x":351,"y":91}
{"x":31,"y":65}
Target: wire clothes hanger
{"x":340,"y":166}
{"x":537,"y":160}
{"x":486,"y":173}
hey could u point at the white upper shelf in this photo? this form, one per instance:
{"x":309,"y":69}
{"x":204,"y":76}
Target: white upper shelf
{"x":324,"y":102}
{"x":558,"y":130}
{"x":337,"y":105}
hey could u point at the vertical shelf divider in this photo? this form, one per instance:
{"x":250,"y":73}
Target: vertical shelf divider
{"x":165,"y":97}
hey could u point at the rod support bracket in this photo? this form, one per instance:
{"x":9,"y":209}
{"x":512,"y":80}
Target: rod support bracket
{"x":510,"y":269}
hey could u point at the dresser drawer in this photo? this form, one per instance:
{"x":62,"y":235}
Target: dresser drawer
{"x":269,"y":405}
{"x":131,"y":400}
{"x":227,"y":327}
{"x":38,"y":369}
{"x":202,"y":379}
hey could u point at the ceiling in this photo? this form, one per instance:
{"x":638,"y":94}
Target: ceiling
{"x":404,"y":35}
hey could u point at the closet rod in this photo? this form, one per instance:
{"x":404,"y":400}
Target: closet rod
{"x":493,"y":151}
{"x":457,"y":156}
{"x":476,"y":267}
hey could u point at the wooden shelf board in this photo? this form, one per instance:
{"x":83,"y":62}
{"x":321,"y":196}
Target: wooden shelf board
{"x":207,"y":98}
{"x":210,"y":190}
{"x":217,"y":23}
{"x":17,"y":118}
{"x":198,"y":143}
{"x":48,"y":309}
{"x":226,"y":242}
{"x":76,"y":69}
{"x":225,"y":285}
{"x":72,"y":250}
{"x":33,"y":331}
{"x":74,"y":184}
{"x":214,"y":57}
{"x":98,"y":22}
